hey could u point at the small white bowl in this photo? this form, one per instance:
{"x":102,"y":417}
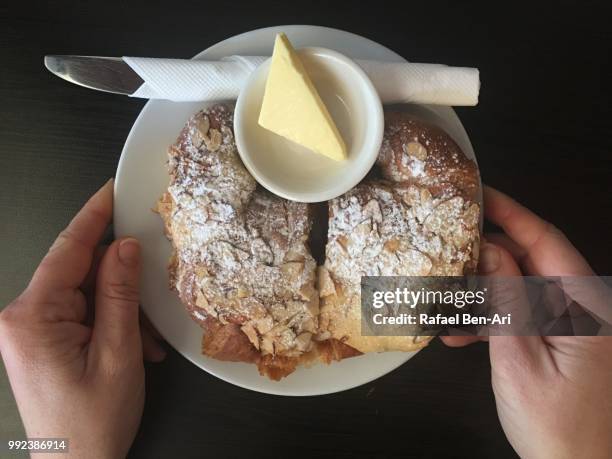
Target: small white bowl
{"x":294,"y":172}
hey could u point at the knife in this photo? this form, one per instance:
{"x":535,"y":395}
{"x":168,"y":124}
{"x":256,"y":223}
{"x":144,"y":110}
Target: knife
{"x":183,"y":80}
{"x":108,"y":74}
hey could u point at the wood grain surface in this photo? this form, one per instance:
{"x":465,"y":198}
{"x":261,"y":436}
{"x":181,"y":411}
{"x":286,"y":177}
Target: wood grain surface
{"x":542,"y":133}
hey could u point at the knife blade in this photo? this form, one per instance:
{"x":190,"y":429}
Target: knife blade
{"x":108,"y":74}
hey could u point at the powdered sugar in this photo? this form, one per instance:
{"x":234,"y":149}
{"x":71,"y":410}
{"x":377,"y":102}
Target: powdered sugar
{"x":403,"y":241}
{"x":242,"y":253}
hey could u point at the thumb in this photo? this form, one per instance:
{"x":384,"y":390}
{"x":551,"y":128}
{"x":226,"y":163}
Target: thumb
{"x":509,"y":296}
{"x":116,"y":327}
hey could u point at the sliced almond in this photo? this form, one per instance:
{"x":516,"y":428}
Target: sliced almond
{"x":414,"y":263}
{"x":426,"y":196}
{"x":214,"y":140}
{"x":343,"y":242}
{"x":279,"y":312}
{"x":201,"y":301}
{"x":251,"y":334}
{"x":293,"y":270}
{"x":416,"y":150}
{"x":364,"y":228}
{"x":262,"y":251}
{"x":303,"y":341}
{"x":372,"y":209}
{"x":313,"y":305}
{"x":323,"y":336}
{"x":392,"y":245}
{"x":264,"y":325}
{"x":326,"y":284}
{"x":200,"y":133}
{"x":307,"y":325}
{"x":266,"y":345}
{"x":410,"y":195}
{"x":242,"y":291}
{"x":442,"y":220}
{"x":307,"y":292}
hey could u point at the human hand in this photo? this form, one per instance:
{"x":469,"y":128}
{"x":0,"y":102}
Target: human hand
{"x":74,"y":378}
{"x":553,"y":394}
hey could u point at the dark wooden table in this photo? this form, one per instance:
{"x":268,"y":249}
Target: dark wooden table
{"x":542,"y":132}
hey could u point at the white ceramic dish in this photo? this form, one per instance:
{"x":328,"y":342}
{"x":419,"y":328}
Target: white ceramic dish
{"x":292,"y":171}
{"x":142,"y":177}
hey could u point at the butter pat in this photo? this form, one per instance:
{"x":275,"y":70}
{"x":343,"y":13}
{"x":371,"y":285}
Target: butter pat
{"x":292,"y":107}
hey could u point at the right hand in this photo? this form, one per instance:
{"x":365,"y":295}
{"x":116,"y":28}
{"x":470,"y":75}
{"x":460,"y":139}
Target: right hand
{"x":553,"y":393}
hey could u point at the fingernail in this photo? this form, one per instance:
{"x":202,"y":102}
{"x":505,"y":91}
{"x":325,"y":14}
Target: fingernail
{"x":490,"y":259}
{"x":109,"y":182}
{"x":129,"y":252}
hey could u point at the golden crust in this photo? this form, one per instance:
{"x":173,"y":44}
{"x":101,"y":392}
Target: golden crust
{"x":228,"y":343}
{"x":417,"y":153}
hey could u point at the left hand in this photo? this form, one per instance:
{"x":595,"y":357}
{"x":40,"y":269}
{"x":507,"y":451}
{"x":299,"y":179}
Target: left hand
{"x":74,"y":378}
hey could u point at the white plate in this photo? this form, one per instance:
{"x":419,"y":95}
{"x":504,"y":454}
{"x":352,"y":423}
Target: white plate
{"x":142,"y":178}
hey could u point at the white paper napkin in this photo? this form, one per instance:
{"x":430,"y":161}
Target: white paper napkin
{"x":195,"y":80}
